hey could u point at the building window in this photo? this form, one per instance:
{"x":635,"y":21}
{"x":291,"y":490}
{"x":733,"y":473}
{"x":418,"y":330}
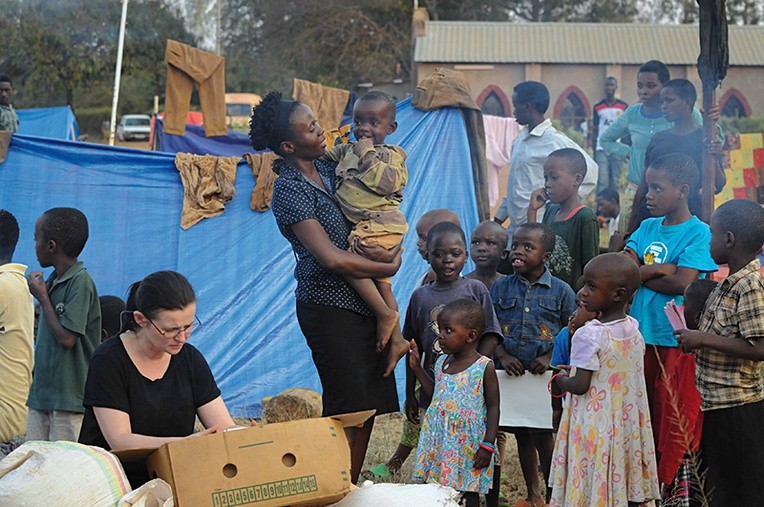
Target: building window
{"x":573,"y":113}
{"x":572,"y":109}
{"x":733,"y":104}
{"x":492,"y":100}
{"x":492,"y":105}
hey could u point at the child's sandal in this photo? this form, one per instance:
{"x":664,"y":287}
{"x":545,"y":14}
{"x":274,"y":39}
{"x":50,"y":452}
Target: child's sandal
{"x":379,"y":473}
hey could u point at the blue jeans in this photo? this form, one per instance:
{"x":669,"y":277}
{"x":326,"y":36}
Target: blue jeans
{"x":609,"y":170}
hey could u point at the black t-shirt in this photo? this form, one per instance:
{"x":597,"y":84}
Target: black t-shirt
{"x":667,"y":143}
{"x":161,"y":408}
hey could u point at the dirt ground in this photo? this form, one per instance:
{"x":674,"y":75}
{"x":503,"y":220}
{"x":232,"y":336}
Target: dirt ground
{"x":385,"y":438}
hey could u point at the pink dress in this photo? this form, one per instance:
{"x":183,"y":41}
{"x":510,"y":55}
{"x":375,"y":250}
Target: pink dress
{"x":604,"y":454}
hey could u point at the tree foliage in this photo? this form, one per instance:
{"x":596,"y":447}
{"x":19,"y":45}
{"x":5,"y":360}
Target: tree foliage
{"x":331,"y":42}
{"x":64,"y":51}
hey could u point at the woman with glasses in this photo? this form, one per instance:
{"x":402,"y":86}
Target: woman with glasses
{"x":146,"y":385}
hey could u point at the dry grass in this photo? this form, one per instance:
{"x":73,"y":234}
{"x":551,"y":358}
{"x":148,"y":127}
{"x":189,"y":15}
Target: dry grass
{"x":385,"y":438}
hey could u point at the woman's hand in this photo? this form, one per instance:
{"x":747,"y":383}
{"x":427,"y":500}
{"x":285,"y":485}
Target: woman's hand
{"x":208,"y":431}
{"x":375,"y":252}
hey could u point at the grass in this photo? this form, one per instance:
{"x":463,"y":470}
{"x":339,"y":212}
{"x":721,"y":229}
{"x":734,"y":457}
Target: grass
{"x":385,"y":438}
{"x":384,"y":441}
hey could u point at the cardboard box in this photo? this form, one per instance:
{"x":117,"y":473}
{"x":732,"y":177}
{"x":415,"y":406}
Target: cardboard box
{"x":304,"y":462}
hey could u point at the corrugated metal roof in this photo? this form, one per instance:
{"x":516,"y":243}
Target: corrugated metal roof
{"x":601,"y":43}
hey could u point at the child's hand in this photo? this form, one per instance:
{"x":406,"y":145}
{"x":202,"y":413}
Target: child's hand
{"x":689,"y":339}
{"x":37,"y":285}
{"x":415,"y":360}
{"x":556,"y":416}
{"x":715,"y":148}
{"x":538,"y":199}
{"x":482,"y":459}
{"x":617,"y":242}
{"x":511,"y":364}
{"x":540,"y":365}
{"x":411,"y":407}
{"x":713,"y":113}
{"x":362,"y":145}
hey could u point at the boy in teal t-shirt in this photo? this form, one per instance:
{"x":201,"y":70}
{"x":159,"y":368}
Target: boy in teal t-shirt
{"x":672,"y":251}
{"x":69,"y":328}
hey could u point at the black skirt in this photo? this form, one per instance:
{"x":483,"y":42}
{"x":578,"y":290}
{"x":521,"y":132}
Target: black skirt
{"x":343,"y":345}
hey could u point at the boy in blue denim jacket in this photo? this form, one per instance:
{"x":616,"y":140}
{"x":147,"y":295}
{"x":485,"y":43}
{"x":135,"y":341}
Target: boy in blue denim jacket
{"x":532,"y":307}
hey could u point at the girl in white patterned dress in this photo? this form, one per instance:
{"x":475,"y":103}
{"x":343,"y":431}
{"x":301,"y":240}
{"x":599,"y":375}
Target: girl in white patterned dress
{"x":604,"y":455}
{"x":456,"y":442}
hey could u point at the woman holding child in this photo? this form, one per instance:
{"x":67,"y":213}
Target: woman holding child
{"x":339,"y":327}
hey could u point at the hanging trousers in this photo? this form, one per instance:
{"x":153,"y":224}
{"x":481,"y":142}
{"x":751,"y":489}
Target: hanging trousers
{"x":186,"y":65}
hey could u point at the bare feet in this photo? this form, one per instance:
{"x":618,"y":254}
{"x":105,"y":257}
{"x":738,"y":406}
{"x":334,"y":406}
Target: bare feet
{"x":397,"y":348}
{"x":387,"y":323}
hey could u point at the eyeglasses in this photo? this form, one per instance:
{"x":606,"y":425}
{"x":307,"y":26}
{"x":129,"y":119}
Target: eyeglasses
{"x":175,"y":332}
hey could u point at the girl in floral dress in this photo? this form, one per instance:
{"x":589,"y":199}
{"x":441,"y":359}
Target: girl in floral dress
{"x":456,"y":443}
{"x":604,"y":454}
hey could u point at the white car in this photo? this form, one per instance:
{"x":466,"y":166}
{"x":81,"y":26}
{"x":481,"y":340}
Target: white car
{"x":134,"y":126}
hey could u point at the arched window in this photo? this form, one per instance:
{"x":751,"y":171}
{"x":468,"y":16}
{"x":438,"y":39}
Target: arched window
{"x":572,"y":108}
{"x":733,"y":104}
{"x":492,"y":105}
{"x":492,"y":100}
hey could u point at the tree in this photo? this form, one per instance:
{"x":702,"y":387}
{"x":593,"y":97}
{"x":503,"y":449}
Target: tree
{"x":65,"y":51}
{"x":332,"y":42}
{"x":745,"y":12}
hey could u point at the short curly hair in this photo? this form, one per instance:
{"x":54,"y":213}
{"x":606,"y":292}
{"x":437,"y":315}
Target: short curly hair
{"x":745,"y":220}
{"x":68,"y":227}
{"x":680,"y":169}
{"x":9,"y":234}
{"x":470,"y":314}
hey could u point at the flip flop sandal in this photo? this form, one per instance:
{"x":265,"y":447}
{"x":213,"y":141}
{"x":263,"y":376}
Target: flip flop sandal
{"x":379,"y":473}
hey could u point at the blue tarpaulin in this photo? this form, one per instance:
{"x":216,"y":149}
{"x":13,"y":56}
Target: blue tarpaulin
{"x":238,"y":262}
{"x":235,"y":144}
{"x":52,"y":122}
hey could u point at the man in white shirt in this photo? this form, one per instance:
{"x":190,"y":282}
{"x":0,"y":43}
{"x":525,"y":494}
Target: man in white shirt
{"x":530,"y":100}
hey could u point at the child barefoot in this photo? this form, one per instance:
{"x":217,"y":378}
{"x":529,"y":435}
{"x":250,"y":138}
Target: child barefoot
{"x":604,"y":454}
{"x":459,"y":428}
{"x":370,"y":180}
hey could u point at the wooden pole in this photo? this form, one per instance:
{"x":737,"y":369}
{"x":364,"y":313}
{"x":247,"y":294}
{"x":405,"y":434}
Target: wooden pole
{"x":708,"y":171}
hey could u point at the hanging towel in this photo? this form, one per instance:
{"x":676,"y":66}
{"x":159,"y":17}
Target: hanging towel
{"x":327,"y":103}
{"x":5,"y":141}
{"x":262,"y":171}
{"x":208,"y":183}
{"x":186,"y":64}
{"x":500,"y":133}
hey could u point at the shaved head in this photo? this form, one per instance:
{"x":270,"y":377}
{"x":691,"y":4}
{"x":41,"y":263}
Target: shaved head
{"x":618,"y":269}
{"x":438,"y":215}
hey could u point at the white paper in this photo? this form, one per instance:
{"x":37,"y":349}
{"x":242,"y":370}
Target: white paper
{"x":525,"y":401}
